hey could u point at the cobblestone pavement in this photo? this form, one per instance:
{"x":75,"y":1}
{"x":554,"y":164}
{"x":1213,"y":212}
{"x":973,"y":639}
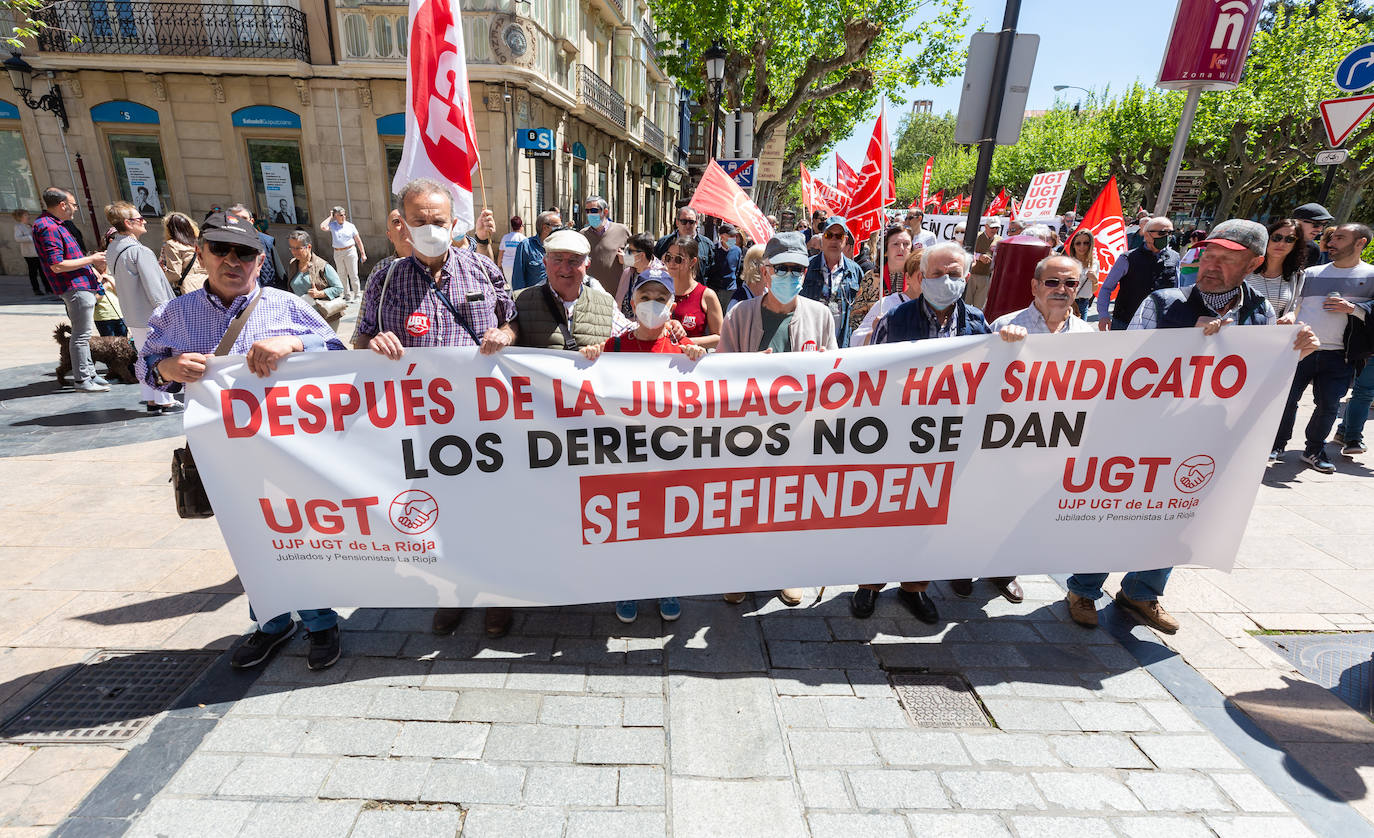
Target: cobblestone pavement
{"x":736,"y":720}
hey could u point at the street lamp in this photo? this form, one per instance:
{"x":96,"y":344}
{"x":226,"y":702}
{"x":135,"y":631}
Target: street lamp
{"x":1059,"y":87}
{"x":21,"y":76}
{"x":714,"y":58}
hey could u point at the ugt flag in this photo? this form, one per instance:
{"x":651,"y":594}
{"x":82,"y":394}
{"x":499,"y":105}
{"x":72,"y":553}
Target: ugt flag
{"x":877,"y":188}
{"x":717,"y":194}
{"x":441,"y":135}
{"x":925,"y":182}
{"x":1104,"y":222}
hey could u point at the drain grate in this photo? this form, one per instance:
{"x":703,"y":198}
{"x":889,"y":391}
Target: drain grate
{"x":1343,"y":663}
{"x":109,"y":698}
{"x":934,"y":699}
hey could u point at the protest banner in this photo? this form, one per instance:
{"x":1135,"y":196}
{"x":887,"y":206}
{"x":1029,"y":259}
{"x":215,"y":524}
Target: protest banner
{"x":1042,"y":197}
{"x":943,"y":225}
{"x":536,"y":477}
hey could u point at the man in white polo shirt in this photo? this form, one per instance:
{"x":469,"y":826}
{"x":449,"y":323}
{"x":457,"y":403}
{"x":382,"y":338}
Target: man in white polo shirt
{"x":348,"y":250}
{"x":1329,"y":296}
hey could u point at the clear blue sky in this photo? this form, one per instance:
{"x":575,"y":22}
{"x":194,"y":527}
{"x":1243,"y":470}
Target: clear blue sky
{"x":1090,"y":45}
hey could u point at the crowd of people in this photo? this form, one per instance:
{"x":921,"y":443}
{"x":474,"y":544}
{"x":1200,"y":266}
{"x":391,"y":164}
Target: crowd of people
{"x":218,"y":287}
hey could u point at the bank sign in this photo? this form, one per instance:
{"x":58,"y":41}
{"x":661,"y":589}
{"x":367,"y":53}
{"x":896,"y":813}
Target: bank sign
{"x":1208,"y":43}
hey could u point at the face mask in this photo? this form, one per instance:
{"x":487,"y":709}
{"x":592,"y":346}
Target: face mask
{"x":786,"y":285}
{"x":942,"y":291}
{"x":429,"y":240}
{"x":652,"y":314}
{"x":1161,"y":242}
{"x":593,"y":219}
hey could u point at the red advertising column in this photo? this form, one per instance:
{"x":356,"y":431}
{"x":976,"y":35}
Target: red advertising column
{"x":1206,"y":51}
{"x":1012,"y":271}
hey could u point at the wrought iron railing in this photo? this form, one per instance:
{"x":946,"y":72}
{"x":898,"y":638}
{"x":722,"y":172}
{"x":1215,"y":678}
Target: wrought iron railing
{"x":646,"y":29}
{"x":619,"y":4}
{"x":595,"y":93}
{"x":126,"y":27}
{"x":653,"y":135}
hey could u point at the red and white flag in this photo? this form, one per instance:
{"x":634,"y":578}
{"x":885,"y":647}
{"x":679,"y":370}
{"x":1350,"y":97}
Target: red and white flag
{"x":952,"y":205}
{"x":925,"y":182}
{"x":998,"y":204}
{"x":846,"y":180}
{"x":1105,"y":223}
{"x":877,"y":187}
{"x":1015,"y":208}
{"x":441,"y":134}
{"x":717,"y":194}
{"x":819,"y":195}
{"x":937,"y":199}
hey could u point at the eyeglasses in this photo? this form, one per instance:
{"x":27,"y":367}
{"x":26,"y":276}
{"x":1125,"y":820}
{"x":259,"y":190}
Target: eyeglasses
{"x":832,"y":236}
{"x":686,"y":221}
{"x":1277,"y":238}
{"x":223,"y":249}
{"x":672,"y":259}
{"x":1055,"y":283}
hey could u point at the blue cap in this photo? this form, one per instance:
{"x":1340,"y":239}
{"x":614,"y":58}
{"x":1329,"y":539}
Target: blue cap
{"x":654,"y":273}
{"x":833,"y":220}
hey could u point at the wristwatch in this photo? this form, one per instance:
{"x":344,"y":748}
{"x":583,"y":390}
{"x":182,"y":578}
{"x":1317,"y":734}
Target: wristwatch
{"x":158,"y":380}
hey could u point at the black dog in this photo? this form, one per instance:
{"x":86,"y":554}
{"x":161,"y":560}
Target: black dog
{"x":117,"y":354}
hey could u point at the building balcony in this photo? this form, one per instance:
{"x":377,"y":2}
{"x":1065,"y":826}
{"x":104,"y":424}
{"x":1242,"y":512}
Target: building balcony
{"x":653,"y":136}
{"x":124,"y":27}
{"x":599,"y":97}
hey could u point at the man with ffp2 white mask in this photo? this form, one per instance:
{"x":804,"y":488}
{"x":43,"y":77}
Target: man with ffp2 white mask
{"x":440,"y":295}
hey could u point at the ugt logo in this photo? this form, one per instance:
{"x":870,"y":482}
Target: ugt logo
{"x":1194,"y":473}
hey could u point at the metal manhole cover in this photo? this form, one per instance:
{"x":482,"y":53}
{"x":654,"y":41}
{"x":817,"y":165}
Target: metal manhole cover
{"x":935,"y":699}
{"x":109,"y":698}
{"x":1340,"y":662}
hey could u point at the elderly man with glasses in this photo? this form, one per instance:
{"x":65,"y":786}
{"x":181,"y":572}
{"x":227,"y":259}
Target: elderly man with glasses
{"x":1149,"y":268}
{"x":689,"y":227}
{"x":832,"y":277}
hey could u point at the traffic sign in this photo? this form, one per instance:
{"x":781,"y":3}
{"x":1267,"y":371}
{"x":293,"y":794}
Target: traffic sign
{"x":741,"y":170}
{"x":1333,"y":157}
{"x":973,"y":102}
{"x":1356,"y":70}
{"x":1340,"y":116}
{"x":534,"y":138}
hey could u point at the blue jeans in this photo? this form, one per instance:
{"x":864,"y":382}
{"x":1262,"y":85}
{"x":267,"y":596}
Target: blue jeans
{"x":1357,"y":409}
{"x":1139,"y":585}
{"x":1329,"y":375}
{"x":315,"y":619}
{"x":81,"y":311}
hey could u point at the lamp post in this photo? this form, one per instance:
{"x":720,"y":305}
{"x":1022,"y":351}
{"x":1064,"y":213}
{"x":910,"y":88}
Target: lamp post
{"x":1059,"y":87}
{"x":714,"y":58}
{"x":21,"y":76}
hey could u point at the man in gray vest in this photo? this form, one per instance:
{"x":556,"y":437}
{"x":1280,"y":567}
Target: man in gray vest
{"x":1149,"y":268}
{"x":566,"y":311}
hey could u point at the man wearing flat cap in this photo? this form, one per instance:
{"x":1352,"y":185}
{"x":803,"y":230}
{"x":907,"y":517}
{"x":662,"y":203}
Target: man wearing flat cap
{"x":566,"y":310}
{"x":1233,"y":249}
{"x":1312,"y":219}
{"x":186,"y":330}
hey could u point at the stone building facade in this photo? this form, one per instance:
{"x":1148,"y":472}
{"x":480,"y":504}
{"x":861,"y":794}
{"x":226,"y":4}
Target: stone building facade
{"x":295,"y":106}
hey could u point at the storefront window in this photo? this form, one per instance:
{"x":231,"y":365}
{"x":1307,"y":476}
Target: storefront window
{"x":137,"y":162}
{"x":16,"y":178}
{"x":278,"y":180}
{"x":393,"y":162}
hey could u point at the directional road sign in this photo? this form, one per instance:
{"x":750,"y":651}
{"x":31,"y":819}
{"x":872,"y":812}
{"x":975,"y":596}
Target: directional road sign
{"x":741,"y":170}
{"x":1356,"y":70}
{"x":1340,"y":116}
{"x":1332,"y":157}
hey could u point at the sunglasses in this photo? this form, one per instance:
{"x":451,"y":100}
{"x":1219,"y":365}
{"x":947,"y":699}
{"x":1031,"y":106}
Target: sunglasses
{"x":832,"y":236}
{"x":674,"y":260}
{"x":1276,"y":238}
{"x":1055,"y":283}
{"x":223,"y":249}
{"x":686,"y":221}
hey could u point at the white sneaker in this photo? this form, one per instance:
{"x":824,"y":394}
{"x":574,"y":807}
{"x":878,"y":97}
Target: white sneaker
{"x":90,"y":385}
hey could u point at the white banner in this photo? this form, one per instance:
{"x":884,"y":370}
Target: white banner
{"x":143,"y":186}
{"x":281,"y":200}
{"x":536,"y":477}
{"x":1042,"y":197}
{"x":943,"y":225}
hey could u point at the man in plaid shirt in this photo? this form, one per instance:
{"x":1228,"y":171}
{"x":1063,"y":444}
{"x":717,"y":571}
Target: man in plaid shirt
{"x":75,"y":277}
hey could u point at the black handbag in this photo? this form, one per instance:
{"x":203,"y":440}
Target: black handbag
{"x":187,"y":488}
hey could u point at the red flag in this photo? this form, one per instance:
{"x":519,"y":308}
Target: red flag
{"x":1107,"y":227}
{"x":937,"y":200}
{"x":810,"y":200}
{"x":1015,"y":208}
{"x":952,"y":205}
{"x":925,"y":181}
{"x":845,"y":178}
{"x":999,"y":203}
{"x":441,"y":139}
{"x":717,"y":194}
{"x":878,"y":186}
{"x":965,"y":204}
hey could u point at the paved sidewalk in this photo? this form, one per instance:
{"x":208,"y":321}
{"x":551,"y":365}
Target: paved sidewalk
{"x":736,"y":720}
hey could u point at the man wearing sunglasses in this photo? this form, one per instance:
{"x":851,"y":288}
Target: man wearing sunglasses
{"x":688,"y":227}
{"x":183,"y":334}
{"x":1312,"y":220}
{"x":1151,"y":267}
{"x":832,"y":277}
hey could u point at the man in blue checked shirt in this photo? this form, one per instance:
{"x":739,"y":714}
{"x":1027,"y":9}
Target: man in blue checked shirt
{"x":185,"y":330}
{"x":73,"y":276}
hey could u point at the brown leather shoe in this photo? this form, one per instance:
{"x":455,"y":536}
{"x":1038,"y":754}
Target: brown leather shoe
{"x":791,"y":596}
{"x":1009,"y":588}
{"x":498,"y":621}
{"x":733,"y":599}
{"x":962,"y":588}
{"x":1149,"y":612}
{"x":446,"y":620}
{"x":1082,"y":610}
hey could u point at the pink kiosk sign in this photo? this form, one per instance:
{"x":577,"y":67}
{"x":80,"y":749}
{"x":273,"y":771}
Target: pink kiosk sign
{"x":1208,"y":43}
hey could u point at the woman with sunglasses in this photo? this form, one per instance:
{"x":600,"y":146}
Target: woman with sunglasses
{"x":636,"y":255}
{"x":897,"y":243}
{"x":1279,"y":279}
{"x":695,"y":305}
{"x":142,"y":287}
{"x":1082,"y":249}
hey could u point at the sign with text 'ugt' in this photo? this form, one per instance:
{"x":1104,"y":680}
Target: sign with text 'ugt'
{"x":1042,"y":197}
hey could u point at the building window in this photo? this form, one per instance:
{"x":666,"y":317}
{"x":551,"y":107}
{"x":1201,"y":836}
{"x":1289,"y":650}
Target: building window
{"x":278,"y":180}
{"x":137,"y":165}
{"x":578,"y":185}
{"x":392,"y":149}
{"x":355,"y":35}
{"x":16,"y":178}
{"x":539,"y":204}
{"x":381,"y":35}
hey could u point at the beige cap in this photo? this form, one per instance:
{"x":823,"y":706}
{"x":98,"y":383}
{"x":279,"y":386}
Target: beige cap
{"x":568,"y":241}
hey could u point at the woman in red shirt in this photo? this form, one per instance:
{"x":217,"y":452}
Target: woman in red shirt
{"x":696,"y":306}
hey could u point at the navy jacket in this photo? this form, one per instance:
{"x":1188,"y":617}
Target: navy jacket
{"x":908,"y":321}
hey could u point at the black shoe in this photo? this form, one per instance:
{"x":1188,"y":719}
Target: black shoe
{"x":259,"y":647}
{"x":446,"y":620}
{"x":920,"y":605}
{"x":963,"y":588}
{"x":1009,"y":588}
{"x":862,"y":602}
{"x":324,"y":648}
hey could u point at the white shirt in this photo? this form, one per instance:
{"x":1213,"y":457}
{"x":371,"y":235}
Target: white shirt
{"x":1030,"y":319}
{"x":23,"y":234}
{"x":342,"y":234}
{"x":926,"y":238}
{"x":509,"y":242}
{"x":885,"y":306}
{"x":1354,"y":284}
